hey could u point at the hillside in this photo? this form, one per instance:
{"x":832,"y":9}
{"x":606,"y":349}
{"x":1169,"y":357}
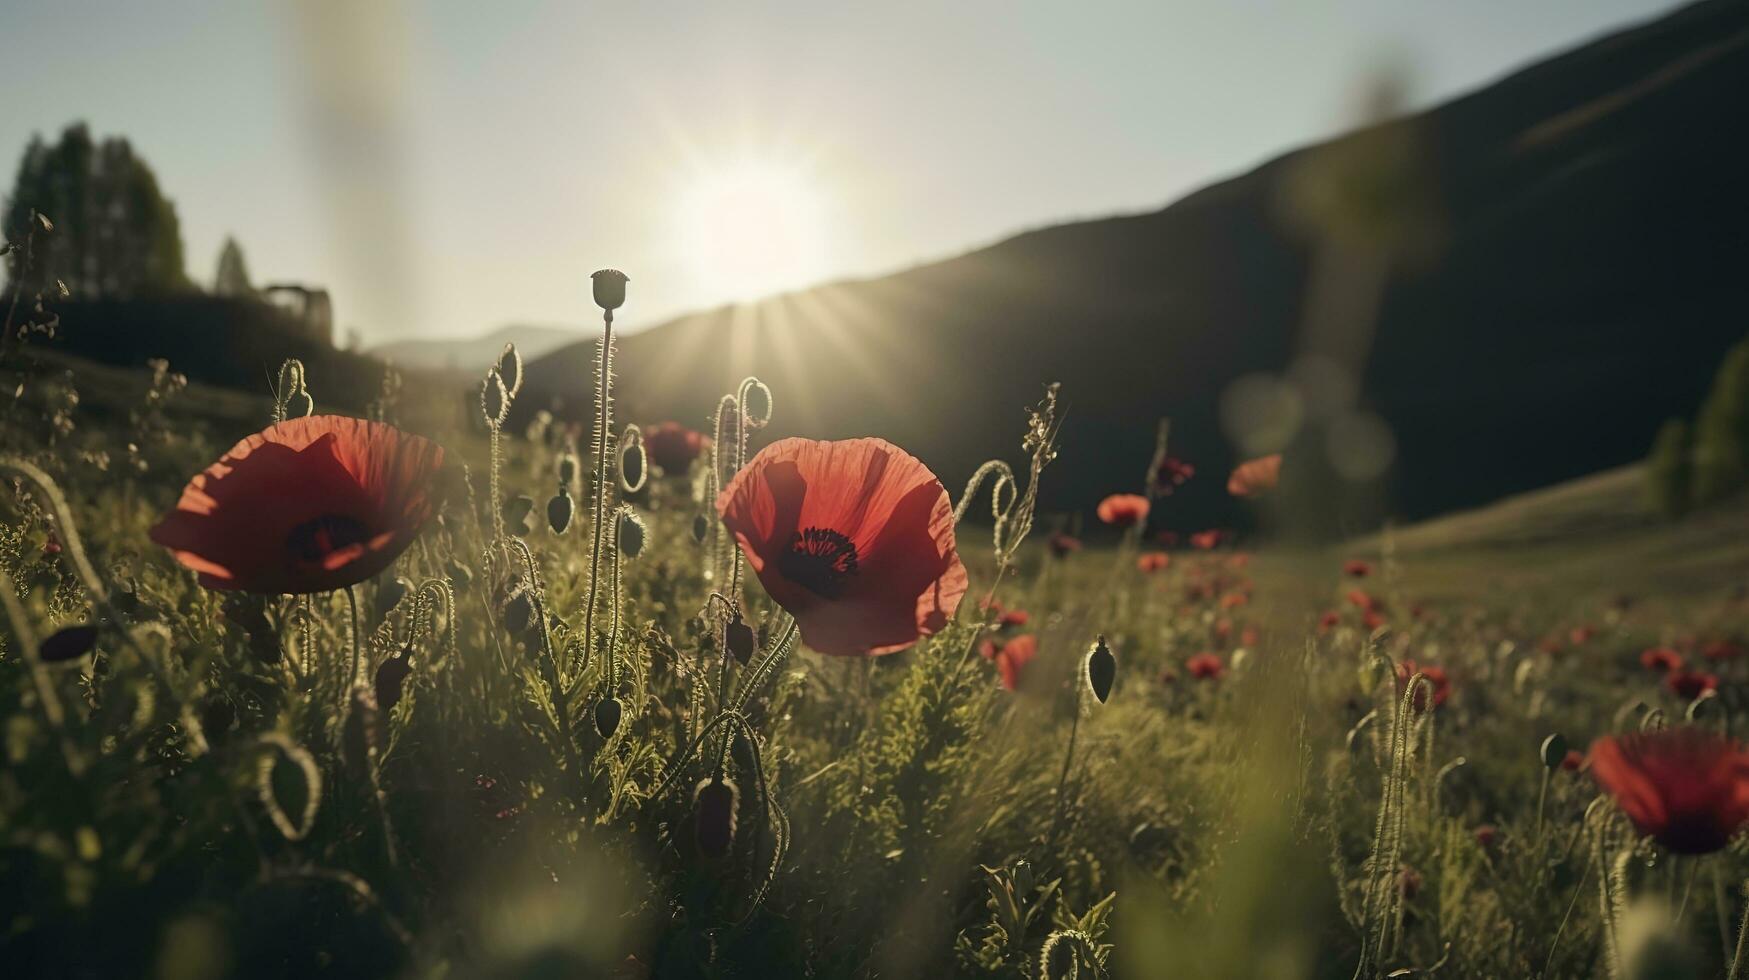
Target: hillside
{"x":469,"y":354}
{"x":1562,"y":267}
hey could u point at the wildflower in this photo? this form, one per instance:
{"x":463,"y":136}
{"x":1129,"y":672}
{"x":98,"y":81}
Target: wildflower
{"x":309,"y":505}
{"x":1661,"y":659}
{"x":1101,"y":669}
{"x":1205,"y":667}
{"x":610,"y":288}
{"x":1255,"y":477}
{"x":1169,"y":475}
{"x":1329,"y":621}
{"x":1688,"y":788}
{"x":1249,"y":636}
{"x":1486,"y":835}
{"x":853,"y":538}
{"x":1124,"y":509}
{"x":1153,"y":561}
{"x":1355,"y":568}
{"x":1359,"y":599}
{"x":673,"y":447}
{"x":1435,"y":676}
{"x":1234,"y":600}
{"x":1206,"y":540}
{"x":1690,"y":684}
{"x":1572,"y":760}
{"x":51,"y":546}
{"x":1063,"y":545}
{"x":1580,"y":635}
{"x":1372,"y":619}
{"x":1010,"y":656}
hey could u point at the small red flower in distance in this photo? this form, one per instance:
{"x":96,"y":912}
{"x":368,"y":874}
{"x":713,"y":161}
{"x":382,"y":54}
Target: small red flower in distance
{"x":1255,"y":477}
{"x":1205,"y":667}
{"x":1581,"y":635}
{"x":1153,"y":561}
{"x":1248,"y":636}
{"x":1372,"y":619}
{"x":1124,"y":509}
{"x":1010,"y":656}
{"x":1686,"y":787}
{"x":1234,"y":600}
{"x":1487,"y":834}
{"x":1690,"y":684}
{"x":1062,"y":545}
{"x":308,"y":505}
{"x":1206,"y":540}
{"x":673,"y":446}
{"x":1355,"y":568}
{"x":1572,"y":760}
{"x":1329,"y":621}
{"x":1661,"y":659}
{"x":1436,"y":676}
{"x":1360,"y":600}
{"x":853,"y":538}
{"x":1171,"y":474}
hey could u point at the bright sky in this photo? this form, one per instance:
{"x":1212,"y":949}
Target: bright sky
{"x":446,"y":168}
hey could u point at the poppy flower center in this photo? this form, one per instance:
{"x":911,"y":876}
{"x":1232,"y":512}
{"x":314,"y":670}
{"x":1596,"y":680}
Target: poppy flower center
{"x":820,"y":559}
{"x":313,"y":541}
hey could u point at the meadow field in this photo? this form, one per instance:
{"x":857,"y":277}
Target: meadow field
{"x":568,"y":714}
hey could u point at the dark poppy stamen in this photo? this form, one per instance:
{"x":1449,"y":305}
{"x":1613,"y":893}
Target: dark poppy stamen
{"x":821,"y":559}
{"x":313,"y":541}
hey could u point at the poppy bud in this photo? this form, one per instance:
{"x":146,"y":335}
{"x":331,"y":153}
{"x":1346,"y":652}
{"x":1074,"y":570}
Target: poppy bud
{"x":567,"y":469}
{"x":299,"y":404}
{"x":632,"y":534}
{"x":607,"y":715}
{"x":739,"y":638}
{"x":391,"y":675}
{"x":516,"y":512}
{"x":1101,"y":670}
{"x":700,"y":528}
{"x":390,"y":593}
{"x":714,"y":816}
{"x":519,"y":613}
{"x":631,"y":464}
{"x":510,"y":370}
{"x":1554,"y":750}
{"x":494,"y":400}
{"x":460,"y":575}
{"x":1023,"y":880}
{"x":610,"y":288}
{"x":559,"y":511}
{"x":68,"y":644}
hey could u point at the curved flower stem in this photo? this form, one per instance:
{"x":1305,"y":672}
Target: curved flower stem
{"x":352,"y":664}
{"x":1068,"y":760}
{"x":1737,"y":958}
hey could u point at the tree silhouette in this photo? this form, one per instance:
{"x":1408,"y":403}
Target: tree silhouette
{"x":117,"y":235}
{"x":1721,"y":431}
{"x":232,"y":277}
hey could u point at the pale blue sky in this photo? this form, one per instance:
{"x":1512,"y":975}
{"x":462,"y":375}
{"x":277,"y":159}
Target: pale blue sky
{"x":449,"y":167}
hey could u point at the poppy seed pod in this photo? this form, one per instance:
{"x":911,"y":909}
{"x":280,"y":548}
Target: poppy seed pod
{"x":1554,"y":750}
{"x":519,"y":612}
{"x":510,"y":370}
{"x":714,"y":805}
{"x":494,"y":400}
{"x":738,"y":636}
{"x":299,"y":405}
{"x":390,"y":593}
{"x":631,"y":462}
{"x":1101,"y":670}
{"x":701,"y":528}
{"x":68,"y":644}
{"x":631,"y":534}
{"x":559,"y":510}
{"x":607,"y":715}
{"x":610,"y":288}
{"x":391,"y":675}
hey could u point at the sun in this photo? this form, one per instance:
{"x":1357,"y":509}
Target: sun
{"x":750,"y":227}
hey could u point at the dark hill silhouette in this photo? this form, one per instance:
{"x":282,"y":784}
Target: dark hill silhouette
{"x":472,"y":354}
{"x":1592,"y":266}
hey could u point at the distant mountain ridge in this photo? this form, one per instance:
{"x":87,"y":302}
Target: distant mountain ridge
{"x":1593,"y":265}
{"x":473,"y":354}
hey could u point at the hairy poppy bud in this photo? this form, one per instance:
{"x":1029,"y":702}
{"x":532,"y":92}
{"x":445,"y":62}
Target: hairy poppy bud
{"x":1101,"y":670}
{"x":607,"y":714}
{"x":510,"y":370}
{"x":1554,"y":750}
{"x":68,"y":644}
{"x":631,"y":463}
{"x":390,"y":593}
{"x":516,"y":513}
{"x":391,"y":675}
{"x":559,"y":510}
{"x":610,"y":288}
{"x":519,"y":612}
{"x":1023,"y":880}
{"x":631,"y":533}
{"x":713,"y":811}
{"x":494,"y":400}
{"x":299,"y":404}
{"x":739,"y":638}
{"x":700,"y":528}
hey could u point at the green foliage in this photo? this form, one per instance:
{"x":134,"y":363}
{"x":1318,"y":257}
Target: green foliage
{"x":1670,"y":470}
{"x":1721,"y":431}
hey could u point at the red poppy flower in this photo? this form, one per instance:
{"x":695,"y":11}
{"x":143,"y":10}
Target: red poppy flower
{"x":1171,"y":474}
{"x":1255,"y":477}
{"x":1010,"y":656}
{"x":1206,"y":540}
{"x":1686,"y":787}
{"x":1572,"y":760}
{"x":1329,"y":621}
{"x":1722,"y":650}
{"x":1580,"y":635}
{"x":1124,"y":509}
{"x":308,"y":505}
{"x":1356,"y":568}
{"x":1153,"y":561}
{"x":1435,"y":675}
{"x":1361,"y":600}
{"x":1234,"y":600}
{"x":1248,"y":636}
{"x":1487,"y":834}
{"x":1661,"y":659}
{"x":1205,"y":667}
{"x":1062,"y":545}
{"x":853,"y":538}
{"x":1238,"y":561}
{"x":1006,"y":618}
{"x":672,"y":446}
{"x":1690,"y":684}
